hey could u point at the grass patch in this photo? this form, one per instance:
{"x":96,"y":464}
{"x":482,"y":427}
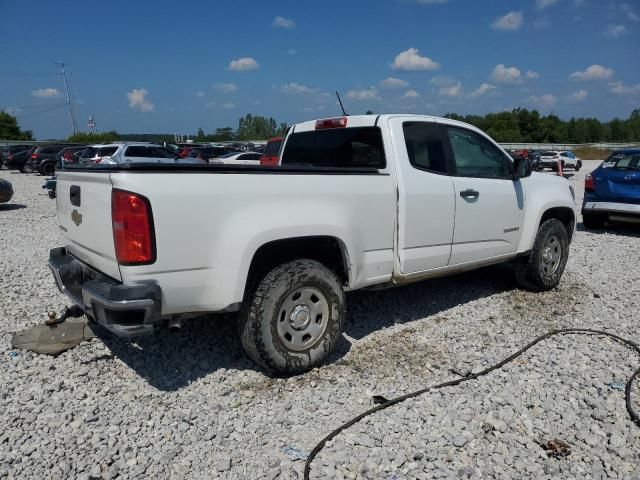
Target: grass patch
{"x":591,"y":153}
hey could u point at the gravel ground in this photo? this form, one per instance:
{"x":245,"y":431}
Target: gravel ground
{"x":190,"y":405}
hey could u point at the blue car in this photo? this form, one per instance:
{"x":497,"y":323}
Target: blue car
{"x":612,"y":191}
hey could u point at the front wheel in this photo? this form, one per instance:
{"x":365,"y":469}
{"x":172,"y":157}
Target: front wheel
{"x":294,"y":318}
{"x":544,"y":266}
{"x":48,"y":169}
{"x":578,"y":165}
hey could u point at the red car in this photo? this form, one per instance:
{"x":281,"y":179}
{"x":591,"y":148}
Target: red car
{"x":271,"y":154}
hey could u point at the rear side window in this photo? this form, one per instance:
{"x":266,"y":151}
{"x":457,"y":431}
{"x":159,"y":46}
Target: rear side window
{"x":49,"y":150}
{"x":160,"y":152}
{"x":621,"y":161}
{"x":336,"y":148}
{"x":424,"y":146}
{"x":106,"y":151}
{"x":136,"y":152}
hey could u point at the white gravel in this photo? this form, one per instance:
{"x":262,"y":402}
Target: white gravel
{"x":190,"y":405}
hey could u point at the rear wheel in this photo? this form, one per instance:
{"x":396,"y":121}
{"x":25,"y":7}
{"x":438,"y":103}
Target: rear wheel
{"x":578,"y":165}
{"x":543,"y":268}
{"x":48,"y":169}
{"x":294,"y":318}
{"x":594,"y":221}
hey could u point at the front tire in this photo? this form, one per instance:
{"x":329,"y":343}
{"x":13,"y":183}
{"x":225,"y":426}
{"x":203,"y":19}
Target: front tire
{"x":294,"y":318}
{"x":543,"y":268}
{"x":578,"y":165}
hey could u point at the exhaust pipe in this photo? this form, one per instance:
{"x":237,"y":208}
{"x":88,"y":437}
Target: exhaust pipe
{"x":175,"y":325}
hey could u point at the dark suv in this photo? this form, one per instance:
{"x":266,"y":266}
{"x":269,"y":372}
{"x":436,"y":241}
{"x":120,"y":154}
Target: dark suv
{"x":14,"y":156}
{"x":45,"y":157}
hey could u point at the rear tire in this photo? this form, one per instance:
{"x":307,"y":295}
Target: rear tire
{"x":294,"y":318}
{"x":543,"y":268}
{"x":26,"y":168}
{"x":578,"y":165}
{"x":594,"y":221}
{"x":48,"y":169}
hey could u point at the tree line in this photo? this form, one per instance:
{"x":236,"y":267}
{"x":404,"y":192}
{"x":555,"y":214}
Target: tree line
{"x":518,"y":125}
{"x":522,"y":125}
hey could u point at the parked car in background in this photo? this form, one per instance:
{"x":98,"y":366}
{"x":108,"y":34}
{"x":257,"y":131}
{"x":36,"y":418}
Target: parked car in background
{"x":186,"y":148}
{"x":70,"y":155}
{"x":271,"y":155}
{"x":44,"y":158}
{"x":612,"y":191}
{"x":6,"y":190}
{"x":235,"y":158}
{"x":550,"y":159}
{"x":206,"y":153}
{"x":8,"y":151}
{"x":95,"y":153}
{"x":17,"y":161}
{"x":131,"y":152}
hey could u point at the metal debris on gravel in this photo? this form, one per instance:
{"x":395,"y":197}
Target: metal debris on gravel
{"x":191,"y":405}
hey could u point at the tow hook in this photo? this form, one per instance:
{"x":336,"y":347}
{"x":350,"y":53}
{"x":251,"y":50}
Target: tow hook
{"x":73,"y":311}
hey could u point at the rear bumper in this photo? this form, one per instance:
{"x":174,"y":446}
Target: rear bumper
{"x":611,"y":207}
{"x":126,"y":311}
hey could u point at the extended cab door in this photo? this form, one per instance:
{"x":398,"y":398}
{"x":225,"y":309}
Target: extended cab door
{"x":426,"y":202}
{"x":489,"y":202}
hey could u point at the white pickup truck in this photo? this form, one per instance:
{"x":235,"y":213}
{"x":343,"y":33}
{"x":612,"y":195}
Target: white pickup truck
{"x":357,"y":202}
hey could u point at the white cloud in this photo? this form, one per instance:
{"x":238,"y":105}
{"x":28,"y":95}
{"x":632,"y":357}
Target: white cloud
{"x":225,"y":87}
{"x":619,"y":88}
{"x":392,"y":82}
{"x":46,"y":92}
{"x":211,"y":104}
{"x":507,"y":75}
{"x":615,"y":30}
{"x":199,"y":93}
{"x":364,"y":95}
{"x":452,"y":92}
{"x":540,"y":4}
{"x":631,"y":14}
{"x":281,"y":22}
{"x":411,"y":94}
{"x":578,"y":96}
{"x":138,"y":100}
{"x":243,"y":64}
{"x":410,"y":60}
{"x":292,"y":51}
{"x":510,"y":22}
{"x":481,"y":90}
{"x":543,"y":101}
{"x":530,"y":75}
{"x":294,"y":87}
{"x":228,"y":106}
{"x":594,"y":72}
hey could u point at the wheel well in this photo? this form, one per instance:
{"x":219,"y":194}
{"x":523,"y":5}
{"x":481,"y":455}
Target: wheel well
{"x":327,"y":250}
{"x":564,"y":214}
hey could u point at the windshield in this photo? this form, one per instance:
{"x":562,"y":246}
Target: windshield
{"x":623,"y":161}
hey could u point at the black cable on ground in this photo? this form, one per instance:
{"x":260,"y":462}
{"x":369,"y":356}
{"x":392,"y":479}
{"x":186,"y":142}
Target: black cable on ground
{"x":394,"y":401}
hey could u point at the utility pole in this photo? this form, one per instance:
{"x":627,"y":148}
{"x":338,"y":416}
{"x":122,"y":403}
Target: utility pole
{"x":72,"y":113}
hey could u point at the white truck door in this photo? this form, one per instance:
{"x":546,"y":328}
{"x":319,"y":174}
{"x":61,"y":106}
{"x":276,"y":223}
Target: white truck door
{"x":426,"y":202}
{"x":489,"y":202}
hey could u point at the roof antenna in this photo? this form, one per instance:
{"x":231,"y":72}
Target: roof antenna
{"x":341,"y":106}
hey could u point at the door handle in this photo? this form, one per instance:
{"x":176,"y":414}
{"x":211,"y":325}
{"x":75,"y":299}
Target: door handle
{"x":468,"y":193}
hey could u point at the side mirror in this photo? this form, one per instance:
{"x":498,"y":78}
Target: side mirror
{"x":522,"y":168}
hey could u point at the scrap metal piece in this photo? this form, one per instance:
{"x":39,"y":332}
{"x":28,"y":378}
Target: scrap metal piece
{"x":55,"y":339}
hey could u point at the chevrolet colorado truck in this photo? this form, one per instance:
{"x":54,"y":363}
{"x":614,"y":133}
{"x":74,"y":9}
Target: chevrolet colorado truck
{"x":356,"y":202}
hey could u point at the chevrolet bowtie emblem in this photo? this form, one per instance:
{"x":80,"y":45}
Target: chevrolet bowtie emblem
{"x":76,"y":217}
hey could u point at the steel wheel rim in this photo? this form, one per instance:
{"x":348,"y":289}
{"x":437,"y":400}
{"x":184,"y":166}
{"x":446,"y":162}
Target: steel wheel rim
{"x":551,"y":255}
{"x":302,"y":318}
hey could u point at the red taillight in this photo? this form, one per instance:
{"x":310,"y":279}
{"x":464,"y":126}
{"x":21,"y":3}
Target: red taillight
{"x":339,"y":122}
{"x":589,"y":183}
{"x":133,"y":233}
{"x":98,"y":159}
{"x":9,"y":157}
{"x":34,"y":156}
{"x":269,"y":161}
{"x":67,"y":156}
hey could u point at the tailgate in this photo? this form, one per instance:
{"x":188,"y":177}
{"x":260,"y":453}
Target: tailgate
{"x":619,"y":185}
{"x":84,"y":216}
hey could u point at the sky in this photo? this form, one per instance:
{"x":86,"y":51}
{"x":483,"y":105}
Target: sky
{"x":153,"y":66}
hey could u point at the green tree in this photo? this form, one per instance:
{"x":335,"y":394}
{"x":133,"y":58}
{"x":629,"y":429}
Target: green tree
{"x":93,"y":138}
{"x":200,"y":136}
{"x":10,"y":130}
{"x":256,"y":128}
{"x":224,"y":134}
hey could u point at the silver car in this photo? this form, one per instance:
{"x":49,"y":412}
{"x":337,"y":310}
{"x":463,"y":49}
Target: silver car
{"x":131,"y":152}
